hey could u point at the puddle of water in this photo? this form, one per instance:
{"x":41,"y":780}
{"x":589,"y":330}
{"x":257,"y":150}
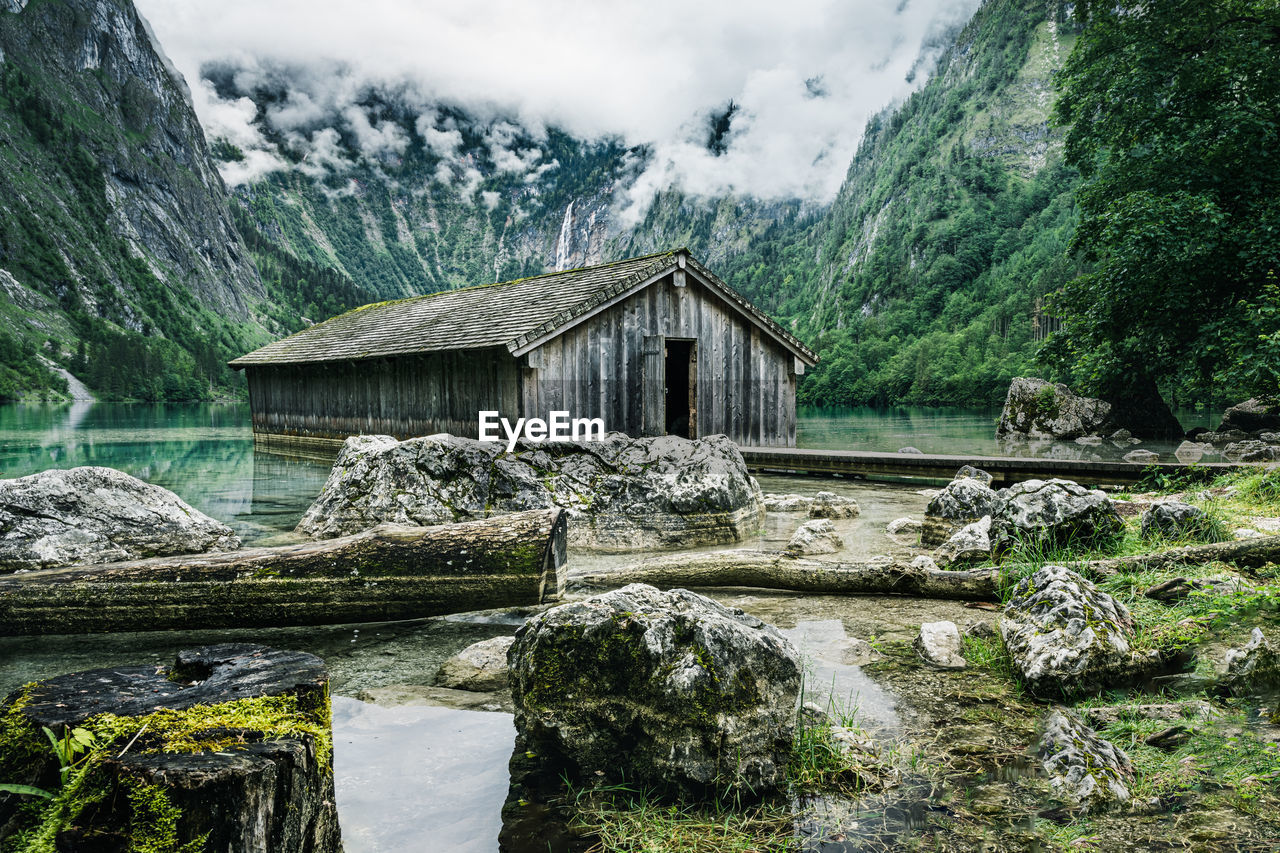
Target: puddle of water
{"x":420,"y":777}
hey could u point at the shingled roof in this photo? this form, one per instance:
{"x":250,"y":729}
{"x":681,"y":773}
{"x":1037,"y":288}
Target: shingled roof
{"x":516,"y":314}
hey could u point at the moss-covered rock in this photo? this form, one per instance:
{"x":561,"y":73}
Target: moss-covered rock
{"x":666,"y":689}
{"x":230,"y":749}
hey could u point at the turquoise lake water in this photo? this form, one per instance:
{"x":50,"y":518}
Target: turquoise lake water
{"x":204,"y":451}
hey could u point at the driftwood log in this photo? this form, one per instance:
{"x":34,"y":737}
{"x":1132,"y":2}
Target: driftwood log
{"x":773,"y":570}
{"x":386,"y":573}
{"x":248,"y":777}
{"x":1245,"y":553}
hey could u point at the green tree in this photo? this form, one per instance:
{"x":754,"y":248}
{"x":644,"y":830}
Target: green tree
{"x":1173,"y":109}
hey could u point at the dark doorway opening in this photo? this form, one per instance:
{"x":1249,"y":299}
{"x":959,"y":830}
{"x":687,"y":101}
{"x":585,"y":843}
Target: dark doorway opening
{"x":682,"y":388}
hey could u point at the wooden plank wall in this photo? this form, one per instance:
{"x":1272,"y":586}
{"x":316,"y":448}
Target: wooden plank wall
{"x":746,"y":381}
{"x":403,"y":397}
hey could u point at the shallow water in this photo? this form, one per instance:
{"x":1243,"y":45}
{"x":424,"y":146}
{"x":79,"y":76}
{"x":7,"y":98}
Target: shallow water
{"x":413,"y":774}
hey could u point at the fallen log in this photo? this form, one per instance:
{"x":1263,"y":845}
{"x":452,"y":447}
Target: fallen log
{"x":1245,"y":553}
{"x":773,"y":570}
{"x":386,"y":573}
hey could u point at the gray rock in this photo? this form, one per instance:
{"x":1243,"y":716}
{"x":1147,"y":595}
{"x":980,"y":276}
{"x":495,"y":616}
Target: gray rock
{"x":962,"y":502}
{"x":787,"y":503}
{"x":620,"y":493}
{"x":1176,"y":589}
{"x":1056,"y":513}
{"x":480,"y":667}
{"x":668,"y":689}
{"x":1269,"y":437}
{"x":1121,"y":435}
{"x":1251,"y":451}
{"x":969,"y":544}
{"x":968,"y":472}
{"x":910,"y":450}
{"x":1224,"y":437}
{"x":1190,"y":452}
{"x":924,"y":562}
{"x":1067,"y":637}
{"x":1241,"y":533}
{"x":1254,"y":415}
{"x":1141,"y":457}
{"x":831,"y":505}
{"x":1089,"y":440}
{"x":1081,"y":766}
{"x":817,"y":536}
{"x":1178,"y":520}
{"x":98,"y":515}
{"x":938,"y":645}
{"x":1037,"y":408}
{"x":903,"y":527}
{"x":982,"y":630}
{"x":1252,"y":669}
{"x":856,"y":652}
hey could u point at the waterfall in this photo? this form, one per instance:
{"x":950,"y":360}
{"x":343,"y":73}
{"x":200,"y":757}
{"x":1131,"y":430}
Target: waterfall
{"x":562,"y":242}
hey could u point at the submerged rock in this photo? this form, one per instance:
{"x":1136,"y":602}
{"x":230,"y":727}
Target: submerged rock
{"x":1067,"y":637}
{"x":1081,"y":766}
{"x":1056,"y":513}
{"x":1190,"y":452}
{"x":787,"y":503}
{"x":668,"y":689}
{"x":236,"y":739}
{"x":1178,"y":520}
{"x":831,"y":505}
{"x":1252,"y":669}
{"x":818,"y":536}
{"x":1141,"y":457}
{"x":480,"y":667}
{"x":98,"y":515}
{"x":621,"y":493}
{"x":938,"y":645}
{"x":1038,"y":408}
{"x":964,"y":501}
{"x":903,"y":527}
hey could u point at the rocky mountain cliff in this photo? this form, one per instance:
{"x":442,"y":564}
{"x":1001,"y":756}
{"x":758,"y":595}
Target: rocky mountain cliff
{"x":113,"y":210}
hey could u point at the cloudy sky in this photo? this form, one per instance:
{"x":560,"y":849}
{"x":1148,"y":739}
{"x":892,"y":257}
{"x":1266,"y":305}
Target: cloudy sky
{"x":806,"y":74}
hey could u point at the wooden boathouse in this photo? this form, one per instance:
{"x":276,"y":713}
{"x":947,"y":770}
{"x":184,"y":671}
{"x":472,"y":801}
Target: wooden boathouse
{"x":652,"y":345}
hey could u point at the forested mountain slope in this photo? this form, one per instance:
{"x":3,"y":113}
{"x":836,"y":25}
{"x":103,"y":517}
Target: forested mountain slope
{"x":930,"y":268}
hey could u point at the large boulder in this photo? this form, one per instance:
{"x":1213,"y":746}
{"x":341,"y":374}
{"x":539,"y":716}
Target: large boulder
{"x":964,"y":501}
{"x":1056,"y":513}
{"x":98,"y":515}
{"x":1035,"y":407}
{"x":1066,"y":637}
{"x":228,"y":749}
{"x":621,"y":493}
{"x":1082,"y":767}
{"x":1251,"y":451}
{"x":665,"y":689}
{"x":1255,"y":415}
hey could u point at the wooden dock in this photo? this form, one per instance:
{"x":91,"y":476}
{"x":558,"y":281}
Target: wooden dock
{"x":942,"y":467}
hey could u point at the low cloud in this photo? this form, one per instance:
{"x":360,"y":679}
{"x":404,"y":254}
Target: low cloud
{"x":805,"y":76}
